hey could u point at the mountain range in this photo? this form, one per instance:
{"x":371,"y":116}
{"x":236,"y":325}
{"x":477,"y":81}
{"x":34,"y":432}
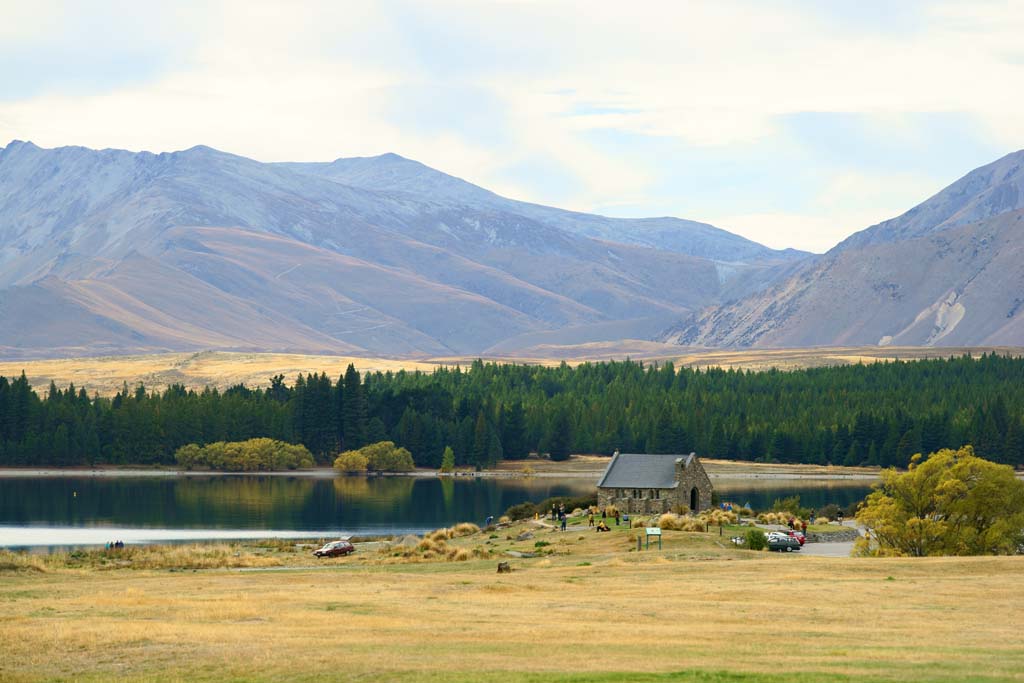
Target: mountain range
{"x":109,"y":251}
{"x":114,"y":252}
{"x":948,"y":272}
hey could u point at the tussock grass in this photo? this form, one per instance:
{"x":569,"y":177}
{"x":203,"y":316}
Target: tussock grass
{"x":459,"y":554}
{"x":673,"y":522}
{"x":21,"y":562}
{"x":465,"y":529}
{"x":778,"y":518}
{"x":717,"y":516}
{"x":147,"y":557}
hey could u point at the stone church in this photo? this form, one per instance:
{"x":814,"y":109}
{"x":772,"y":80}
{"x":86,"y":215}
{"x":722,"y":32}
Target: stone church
{"x":651,"y":483}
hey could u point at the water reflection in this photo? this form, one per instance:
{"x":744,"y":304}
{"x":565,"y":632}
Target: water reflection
{"x":197,"y":506}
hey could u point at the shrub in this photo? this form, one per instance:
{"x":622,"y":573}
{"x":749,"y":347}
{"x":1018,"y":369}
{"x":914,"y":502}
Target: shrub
{"x":756,"y":540}
{"x":465,"y":529}
{"x":669,"y":521}
{"x":384,"y":456}
{"x":778,"y":518}
{"x":504,"y":519}
{"x":636,"y":523}
{"x":254,"y":455}
{"x":459,"y":554}
{"x":351,"y":461}
{"x":718,"y":516}
{"x":521,"y":511}
{"x":432,"y":545}
{"x":790,"y":505}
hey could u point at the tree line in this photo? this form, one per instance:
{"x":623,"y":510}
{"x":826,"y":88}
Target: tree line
{"x":876,"y":414}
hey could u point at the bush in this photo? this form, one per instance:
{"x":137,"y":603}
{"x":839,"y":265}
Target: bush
{"x":781,"y":518}
{"x":351,"y":461}
{"x":459,"y":554}
{"x":382,"y":456}
{"x":792,"y":506}
{"x":830,"y":511}
{"x":254,"y":455}
{"x":756,"y":540}
{"x":717,"y":516}
{"x":669,"y":522}
{"x":521,"y":511}
{"x":465,"y":529}
{"x":527,"y":510}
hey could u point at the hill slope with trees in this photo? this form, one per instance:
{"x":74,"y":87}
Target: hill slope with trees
{"x":878,"y":414}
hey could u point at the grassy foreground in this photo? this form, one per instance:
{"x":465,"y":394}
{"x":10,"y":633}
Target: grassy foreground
{"x":590,"y":608}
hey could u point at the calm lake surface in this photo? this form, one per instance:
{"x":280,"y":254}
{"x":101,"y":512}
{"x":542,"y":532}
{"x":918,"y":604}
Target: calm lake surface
{"x":88,"y":510}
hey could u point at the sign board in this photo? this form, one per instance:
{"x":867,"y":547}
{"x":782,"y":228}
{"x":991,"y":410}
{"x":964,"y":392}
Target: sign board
{"x":653,"y":531}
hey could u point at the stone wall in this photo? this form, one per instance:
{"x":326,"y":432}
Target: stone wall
{"x":688,"y":478}
{"x":646,"y":505}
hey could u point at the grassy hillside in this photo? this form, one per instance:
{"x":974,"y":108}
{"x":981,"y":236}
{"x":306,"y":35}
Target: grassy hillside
{"x":590,"y":608}
{"x":107,"y":374}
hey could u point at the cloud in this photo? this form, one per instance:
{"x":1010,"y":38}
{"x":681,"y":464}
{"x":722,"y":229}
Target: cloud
{"x":787,"y":106}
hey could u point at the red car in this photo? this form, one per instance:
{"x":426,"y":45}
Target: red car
{"x":335,"y":549}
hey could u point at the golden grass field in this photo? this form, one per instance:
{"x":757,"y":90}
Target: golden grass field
{"x":106,"y":375}
{"x":592,"y":610}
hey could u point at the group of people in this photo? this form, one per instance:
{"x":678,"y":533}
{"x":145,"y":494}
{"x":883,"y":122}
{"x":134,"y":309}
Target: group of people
{"x":115,"y":545}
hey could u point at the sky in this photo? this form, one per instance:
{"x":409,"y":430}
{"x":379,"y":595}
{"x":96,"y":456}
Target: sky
{"x":794,"y":124}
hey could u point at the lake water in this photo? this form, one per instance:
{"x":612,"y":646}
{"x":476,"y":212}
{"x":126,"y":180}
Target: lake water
{"x":90,"y":510}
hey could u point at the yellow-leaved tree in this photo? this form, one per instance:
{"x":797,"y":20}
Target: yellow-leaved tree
{"x":950,"y":503}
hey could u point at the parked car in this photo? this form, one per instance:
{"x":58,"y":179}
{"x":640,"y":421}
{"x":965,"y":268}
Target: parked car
{"x":787,"y":534}
{"x":783,"y":543}
{"x":335,"y":549}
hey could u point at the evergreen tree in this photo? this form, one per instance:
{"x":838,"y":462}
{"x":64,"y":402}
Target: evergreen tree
{"x":559,"y":435}
{"x":354,"y":411}
{"x":448,"y":459}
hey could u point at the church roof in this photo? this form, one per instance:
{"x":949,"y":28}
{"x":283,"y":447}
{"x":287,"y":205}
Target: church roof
{"x":643,"y":470}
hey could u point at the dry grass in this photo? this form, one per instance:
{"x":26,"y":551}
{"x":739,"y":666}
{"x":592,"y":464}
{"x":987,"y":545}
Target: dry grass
{"x":465,"y":529}
{"x":149,"y":557}
{"x":106,"y":375}
{"x":871,"y":619}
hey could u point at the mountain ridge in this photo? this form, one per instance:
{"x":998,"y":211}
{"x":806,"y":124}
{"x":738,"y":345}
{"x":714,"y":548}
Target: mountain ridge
{"x":942,"y":273}
{"x":200,"y":248}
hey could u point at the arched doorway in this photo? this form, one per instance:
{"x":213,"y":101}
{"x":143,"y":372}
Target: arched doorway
{"x":694,"y":499}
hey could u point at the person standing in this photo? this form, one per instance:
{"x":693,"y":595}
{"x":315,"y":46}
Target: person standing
{"x":591,"y":519}
{"x":563,"y":521}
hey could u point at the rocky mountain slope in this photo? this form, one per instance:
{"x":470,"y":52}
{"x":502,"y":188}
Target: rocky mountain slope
{"x":111,"y":251}
{"x":948,"y":272}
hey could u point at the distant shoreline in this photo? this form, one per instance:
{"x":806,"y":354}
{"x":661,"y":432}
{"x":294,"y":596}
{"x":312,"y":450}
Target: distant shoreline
{"x":330,"y":473}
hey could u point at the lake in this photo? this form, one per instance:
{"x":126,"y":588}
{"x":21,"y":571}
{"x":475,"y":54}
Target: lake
{"x":78,"y":510}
